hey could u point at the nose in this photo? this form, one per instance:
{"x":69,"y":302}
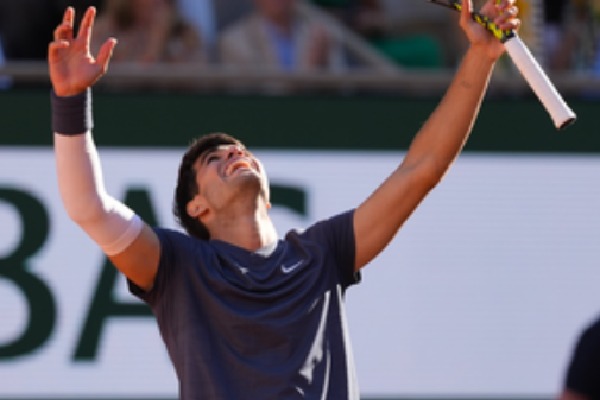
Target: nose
{"x":234,"y":150}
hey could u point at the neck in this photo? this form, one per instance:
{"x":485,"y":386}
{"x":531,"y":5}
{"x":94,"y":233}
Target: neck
{"x":250,"y":231}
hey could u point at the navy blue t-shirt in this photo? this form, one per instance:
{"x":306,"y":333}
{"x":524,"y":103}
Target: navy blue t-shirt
{"x":242,"y":325}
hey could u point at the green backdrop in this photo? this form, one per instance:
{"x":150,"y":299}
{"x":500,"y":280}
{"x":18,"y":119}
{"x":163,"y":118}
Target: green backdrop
{"x":357,"y":122}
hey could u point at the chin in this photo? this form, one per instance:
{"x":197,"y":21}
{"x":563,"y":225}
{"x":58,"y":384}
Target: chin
{"x":248,"y":181}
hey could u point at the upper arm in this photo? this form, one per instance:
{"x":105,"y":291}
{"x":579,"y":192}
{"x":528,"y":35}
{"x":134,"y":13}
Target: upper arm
{"x":431,"y":152}
{"x":139,"y":261}
{"x":379,"y":218}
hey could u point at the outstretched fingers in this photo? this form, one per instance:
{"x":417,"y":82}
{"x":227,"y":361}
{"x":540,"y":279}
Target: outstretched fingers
{"x":63,"y":35}
{"x":105,"y":53}
{"x":87,"y":24}
{"x":72,"y":67}
{"x":65,"y":30}
{"x":507,"y":15}
{"x":465,"y":13}
{"x":69,"y":17}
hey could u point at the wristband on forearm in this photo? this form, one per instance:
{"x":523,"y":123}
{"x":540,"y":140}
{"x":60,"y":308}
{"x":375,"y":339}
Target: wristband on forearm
{"x":72,"y":115}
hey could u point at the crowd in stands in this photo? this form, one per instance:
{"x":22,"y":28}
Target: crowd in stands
{"x":251,"y":33}
{"x":280,"y":35}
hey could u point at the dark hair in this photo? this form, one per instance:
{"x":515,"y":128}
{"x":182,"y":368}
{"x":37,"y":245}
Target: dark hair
{"x":186,"y":181}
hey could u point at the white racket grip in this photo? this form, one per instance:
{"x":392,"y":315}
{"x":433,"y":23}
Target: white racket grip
{"x":533,"y":73}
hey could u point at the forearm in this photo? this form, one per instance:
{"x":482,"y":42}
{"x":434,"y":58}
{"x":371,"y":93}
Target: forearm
{"x":111,"y":224}
{"x":444,"y":134}
{"x":440,"y":139}
{"x":79,"y":177}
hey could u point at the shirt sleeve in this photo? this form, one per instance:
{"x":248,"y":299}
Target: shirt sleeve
{"x":337,"y":233}
{"x":162,"y":274}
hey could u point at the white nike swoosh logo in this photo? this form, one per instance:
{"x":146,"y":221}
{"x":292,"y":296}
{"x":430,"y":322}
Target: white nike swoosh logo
{"x":287,"y":270}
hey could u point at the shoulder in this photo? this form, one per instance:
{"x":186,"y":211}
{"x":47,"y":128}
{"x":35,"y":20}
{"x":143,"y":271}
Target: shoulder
{"x":335,"y":233}
{"x":338,"y":222}
{"x":169,"y":233}
{"x":174,"y":240}
{"x":332,"y":242}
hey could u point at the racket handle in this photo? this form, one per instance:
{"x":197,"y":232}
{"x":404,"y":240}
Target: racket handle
{"x":559,"y":111}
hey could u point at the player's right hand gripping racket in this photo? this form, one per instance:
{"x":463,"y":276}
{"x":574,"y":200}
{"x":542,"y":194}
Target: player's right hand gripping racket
{"x":559,"y":111}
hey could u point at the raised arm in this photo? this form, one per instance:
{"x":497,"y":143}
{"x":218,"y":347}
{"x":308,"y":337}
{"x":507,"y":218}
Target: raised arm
{"x":438,"y":142}
{"x":125,"y":239}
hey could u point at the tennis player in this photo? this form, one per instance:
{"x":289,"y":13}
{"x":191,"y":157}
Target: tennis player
{"x":245,"y":314}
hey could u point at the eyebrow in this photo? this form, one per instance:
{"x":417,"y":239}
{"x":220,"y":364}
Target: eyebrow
{"x":207,"y":153}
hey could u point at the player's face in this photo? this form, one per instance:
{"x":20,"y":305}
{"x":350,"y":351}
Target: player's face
{"x":228,"y":170}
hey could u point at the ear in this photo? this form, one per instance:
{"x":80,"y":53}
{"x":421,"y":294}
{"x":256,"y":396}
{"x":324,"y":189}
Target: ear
{"x":196,"y":207}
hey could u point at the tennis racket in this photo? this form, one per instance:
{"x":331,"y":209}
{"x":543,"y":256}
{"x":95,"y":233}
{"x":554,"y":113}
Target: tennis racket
{"x":559,"y":111}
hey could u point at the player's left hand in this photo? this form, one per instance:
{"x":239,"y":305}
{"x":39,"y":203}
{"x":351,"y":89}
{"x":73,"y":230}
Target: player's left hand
{"x":72,"y":68}
{"x":504,"y":13}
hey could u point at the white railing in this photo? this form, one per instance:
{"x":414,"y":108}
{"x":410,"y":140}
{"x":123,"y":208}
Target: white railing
{"x":219,"y":79}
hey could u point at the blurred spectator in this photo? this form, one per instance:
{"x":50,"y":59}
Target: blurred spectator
{"x":411,"y":37}
{"x":230,"y":11}
{"x":582,"y":379}
{"x":595,"y":11}
{"x":577,"y":46}
{"x":554,"y":33}
{"x":148,"y":31}
{"x":201,"y":14}
{"x":365,"y":17}
{"x":211,"y":16}
{"x":276,"y":36}
{"x":418,"y":36}
{"x":346,"y":11}
{"x":218,"y":14}
{"x":568,"y":35}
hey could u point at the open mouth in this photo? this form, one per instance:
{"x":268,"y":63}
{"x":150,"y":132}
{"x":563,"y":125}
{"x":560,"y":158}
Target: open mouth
{"x":241,"y":164}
